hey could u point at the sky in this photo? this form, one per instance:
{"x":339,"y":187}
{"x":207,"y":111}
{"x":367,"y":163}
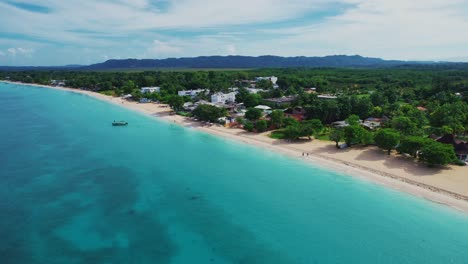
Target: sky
{"x":63,"y":32}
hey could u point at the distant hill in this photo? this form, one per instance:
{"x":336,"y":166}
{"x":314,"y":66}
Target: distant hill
{"x":40,"y":68}
{"x":246,"y":62}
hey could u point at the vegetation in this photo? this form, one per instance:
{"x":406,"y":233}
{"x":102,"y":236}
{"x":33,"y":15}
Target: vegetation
{"x":336,"y":135}
{"x":261,"y":125}
{"x":277,"y":118}
{"x":412,"y":145}
{"x":253,"y":114}
{"x":209,"y":113}
{"x":304,"y":129}
{"x":436,"y":153}
{"x":387,"y":139}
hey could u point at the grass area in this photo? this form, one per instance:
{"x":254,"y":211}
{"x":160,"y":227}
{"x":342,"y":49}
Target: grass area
{"x":277,"y":134}
{"x":323,"y":137}
{"x":361,"y":96}
{"x":108,"y":92}
{"x":187,"y":114}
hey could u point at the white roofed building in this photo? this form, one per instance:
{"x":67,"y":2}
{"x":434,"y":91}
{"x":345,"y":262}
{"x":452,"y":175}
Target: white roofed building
{"x":192,"y":93}
{"x":150,"y":89}
{"x":222,"y":98}
{"x":272,"y":79}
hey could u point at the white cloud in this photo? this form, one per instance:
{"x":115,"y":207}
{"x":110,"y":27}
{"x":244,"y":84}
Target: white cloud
{"x":20,"y":51}
{"x":161,"y":49}
{"x":397,"y":29}
{"x":231,"y":49}
{"x":12,"y":51}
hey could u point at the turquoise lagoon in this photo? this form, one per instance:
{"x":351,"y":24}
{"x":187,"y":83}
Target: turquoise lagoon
{"x":74,"y":189}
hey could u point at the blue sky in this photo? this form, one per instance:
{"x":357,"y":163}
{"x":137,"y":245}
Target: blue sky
{"x":59,"y":32}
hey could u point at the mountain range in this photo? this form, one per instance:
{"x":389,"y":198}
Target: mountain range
{"x":239,"y":62}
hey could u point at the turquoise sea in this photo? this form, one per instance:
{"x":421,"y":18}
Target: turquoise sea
{"x":74,"y":189}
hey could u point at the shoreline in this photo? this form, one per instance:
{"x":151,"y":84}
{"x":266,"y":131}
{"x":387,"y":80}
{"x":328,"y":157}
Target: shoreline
{"x":322,"y":154}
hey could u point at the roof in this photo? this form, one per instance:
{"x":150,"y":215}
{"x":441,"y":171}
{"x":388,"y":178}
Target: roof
{"x":420,"y":108}
{"x":263,"y":107}
{"x":152,"y":87}
{"x":461,"y":147}
{"x":284,"y":99}
{"x":326,"y":96}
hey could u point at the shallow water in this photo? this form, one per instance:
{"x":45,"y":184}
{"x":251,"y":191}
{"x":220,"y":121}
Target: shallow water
{"x":74,"y":189}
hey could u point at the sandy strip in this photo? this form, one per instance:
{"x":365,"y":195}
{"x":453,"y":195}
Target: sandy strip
{"x":448,"y":186}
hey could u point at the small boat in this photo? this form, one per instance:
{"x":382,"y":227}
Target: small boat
{"x":119,"y":123}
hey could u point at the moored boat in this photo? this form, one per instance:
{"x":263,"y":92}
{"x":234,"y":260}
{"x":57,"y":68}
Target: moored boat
{"x":119,"y":123}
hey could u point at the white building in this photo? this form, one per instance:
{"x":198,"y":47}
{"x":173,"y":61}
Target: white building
{"x":272,"y":79}
{"x":255,"y":90}
{"x":266,"y":109}
{"x":150,"y":89}
{"x":327,"y":96}
{"x":192,"y":93}
{"x":57,"y":82}
{"x":222,"y":98}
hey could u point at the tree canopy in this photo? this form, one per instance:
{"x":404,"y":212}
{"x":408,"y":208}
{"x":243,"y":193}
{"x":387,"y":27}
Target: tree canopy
{"x":387,"y":139}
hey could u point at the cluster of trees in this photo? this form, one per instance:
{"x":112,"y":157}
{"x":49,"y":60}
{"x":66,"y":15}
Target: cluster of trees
{"x":252,"y":121}
{"x":304,"y":129}
{"x":427,"y":150}
{"x":209,"y":113}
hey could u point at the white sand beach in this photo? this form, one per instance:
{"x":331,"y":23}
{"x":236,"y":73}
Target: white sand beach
{"x":447,"y":186}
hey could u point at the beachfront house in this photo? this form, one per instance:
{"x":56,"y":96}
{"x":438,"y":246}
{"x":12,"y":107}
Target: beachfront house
{"x":155,"y":89}
{"x":297,"y":113}
{"x":57,"y":82}
{"x":192,"y":93}
{"x":373,"y":123}
{"x":266,"y":109}
{"x":460,"y":147}
{"x":222,"y":98}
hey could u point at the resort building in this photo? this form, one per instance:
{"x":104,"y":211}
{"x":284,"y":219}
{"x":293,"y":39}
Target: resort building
{"x":188,"y":106}
{"x":310,"y":90}
{"x":339,"y":124}
{"x":245,"y":83}
{"x":326,"y":96}
{"x":281,"y":101}
{"x":155,"y":89}
{"x":255,"y":90}
{"x":192,"y":93}
{"x":222,"y":98}
{"x":266,"y":109}
{"x":272,"y":79}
